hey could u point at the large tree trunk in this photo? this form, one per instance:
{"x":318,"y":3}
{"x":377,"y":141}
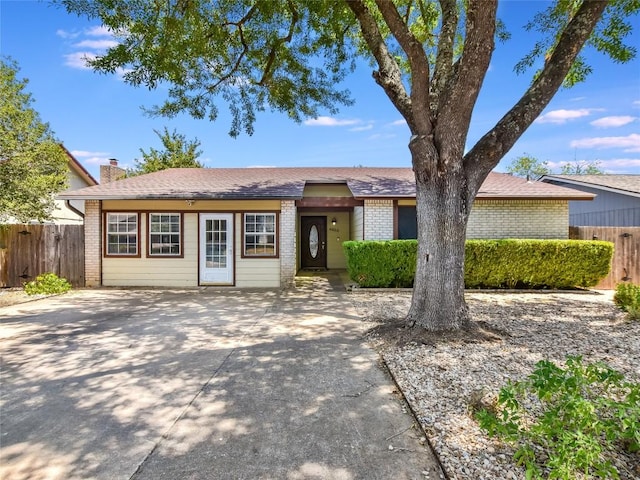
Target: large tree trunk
{"x":438,"y":293}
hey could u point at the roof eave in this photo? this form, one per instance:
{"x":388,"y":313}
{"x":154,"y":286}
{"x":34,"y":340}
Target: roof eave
{"x":173,"y":197}
{"x":535,"y":197}
{"x":591,"y":185}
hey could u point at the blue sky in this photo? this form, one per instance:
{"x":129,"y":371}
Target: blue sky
{"x":98,"y":117}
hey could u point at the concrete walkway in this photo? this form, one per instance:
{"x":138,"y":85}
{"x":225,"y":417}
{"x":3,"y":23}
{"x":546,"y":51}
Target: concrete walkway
{"x":200,"y":384}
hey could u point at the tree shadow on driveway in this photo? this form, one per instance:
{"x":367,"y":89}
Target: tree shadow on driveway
{"x":196,"y":384}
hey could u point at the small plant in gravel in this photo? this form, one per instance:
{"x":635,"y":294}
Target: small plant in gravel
{"x":567,"y":422}
{"x":627,"y":297}
{"x":47,"y":284}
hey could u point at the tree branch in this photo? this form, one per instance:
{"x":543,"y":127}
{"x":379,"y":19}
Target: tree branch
{"x":389,"y":75}
{"x":266,"y":74}
{"x":499,"y":140}
{"x":454,"y":115}
{"x":418,"y":63}
{"x":444,"y":70}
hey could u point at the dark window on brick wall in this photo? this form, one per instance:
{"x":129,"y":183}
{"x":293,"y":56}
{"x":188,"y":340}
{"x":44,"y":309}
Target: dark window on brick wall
{"x":407,"y":223}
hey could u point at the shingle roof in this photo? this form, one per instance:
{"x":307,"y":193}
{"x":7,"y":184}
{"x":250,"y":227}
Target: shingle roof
{"x":621,"y":183}
{"x":288,"y":183}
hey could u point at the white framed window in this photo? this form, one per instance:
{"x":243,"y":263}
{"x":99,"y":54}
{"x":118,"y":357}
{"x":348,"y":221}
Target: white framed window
{"x":165,"y":235}
{"x":259,"y":235}
{"x":122,"y":233}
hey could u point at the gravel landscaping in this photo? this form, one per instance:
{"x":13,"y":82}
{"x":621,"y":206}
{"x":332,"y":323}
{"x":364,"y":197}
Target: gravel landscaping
{"x":440,"y":378}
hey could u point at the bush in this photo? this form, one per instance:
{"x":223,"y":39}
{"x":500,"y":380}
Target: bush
{"x":567,"y":421}
{"x":47,"y":284}
{"x":382,"y":264}
{"x":536,"y":263}
{"x":488,"y":263}
{"x":627,"y":297}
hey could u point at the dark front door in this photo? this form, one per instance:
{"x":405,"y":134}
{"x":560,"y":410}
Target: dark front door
{"x":313,"y":242}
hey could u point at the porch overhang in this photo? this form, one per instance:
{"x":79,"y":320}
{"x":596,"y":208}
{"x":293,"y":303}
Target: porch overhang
{"x":329,"y":202}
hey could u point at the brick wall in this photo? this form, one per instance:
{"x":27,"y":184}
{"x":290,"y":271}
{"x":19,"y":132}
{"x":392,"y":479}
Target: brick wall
{"x":378,"y":219}
{"x":519,"y":219}
{"x":92,"y":243}
{"x":287,"y":243}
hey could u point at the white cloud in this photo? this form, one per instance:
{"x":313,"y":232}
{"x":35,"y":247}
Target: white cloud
{"x":397,"y":123}
{"x":614,"y":121}
{"x":621,"y":163}
{"x":636,"y":103}
{"x":79,"y":60}
{"x":630,"y":143}
{"x":96,"y":44}
{"x":563,"y":116}
{"x":261,"y":166}
{"x":577,"y":99}
{"x":85,"y":153}
{"x":98,"y":31}
{"x":87,"y":45}
{"x":64,"y":34}
{"x":363,"y":128}
{"x":329,"y":122}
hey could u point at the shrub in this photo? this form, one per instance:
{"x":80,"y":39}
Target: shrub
{"x":488,"y":263}
{"x":382,"y":264}
{"x":627,"y":297}
{"x":536,"y":263}
{"x":567,"y":421}
{"x":47,"y":284}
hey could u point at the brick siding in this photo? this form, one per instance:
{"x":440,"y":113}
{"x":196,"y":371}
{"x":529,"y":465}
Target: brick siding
{"x":92,"y":243}
{"x":287,"y":243}
{"x":378,"y":219}
{"x":519,"y":219}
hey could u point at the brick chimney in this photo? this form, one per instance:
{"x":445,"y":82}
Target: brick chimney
{"x":111,"y":172}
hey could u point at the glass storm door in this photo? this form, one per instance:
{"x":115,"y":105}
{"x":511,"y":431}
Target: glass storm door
{"x":216,"y":248}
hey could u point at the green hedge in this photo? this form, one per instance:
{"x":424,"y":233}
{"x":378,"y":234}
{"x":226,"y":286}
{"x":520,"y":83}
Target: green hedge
{"x":508,"y":263}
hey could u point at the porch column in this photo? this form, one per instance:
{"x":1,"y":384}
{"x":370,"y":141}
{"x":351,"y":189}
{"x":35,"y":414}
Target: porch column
{"x":287,"y":243}
{"x":92,"y":243}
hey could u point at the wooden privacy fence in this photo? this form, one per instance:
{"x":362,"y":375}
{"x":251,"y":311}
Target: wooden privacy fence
{"x":26,"y":251}
{"x":625,"y":266}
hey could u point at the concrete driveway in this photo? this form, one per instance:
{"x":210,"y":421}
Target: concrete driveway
{"x":195,"y":384}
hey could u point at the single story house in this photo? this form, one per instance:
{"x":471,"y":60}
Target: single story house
{"x":617,"y":203}
{"x":256,"y":227}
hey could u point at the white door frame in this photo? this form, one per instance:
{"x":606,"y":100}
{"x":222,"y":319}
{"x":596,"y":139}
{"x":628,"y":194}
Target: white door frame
{"x":215,"y":264}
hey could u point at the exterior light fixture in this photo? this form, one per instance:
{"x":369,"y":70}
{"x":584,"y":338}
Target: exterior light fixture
{"x":334,"y":221}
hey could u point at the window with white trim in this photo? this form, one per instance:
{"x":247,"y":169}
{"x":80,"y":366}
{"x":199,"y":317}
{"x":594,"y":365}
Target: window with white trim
{"x":165,"y":234}
{"x":122,"y":234}
{"x":260,"y":235}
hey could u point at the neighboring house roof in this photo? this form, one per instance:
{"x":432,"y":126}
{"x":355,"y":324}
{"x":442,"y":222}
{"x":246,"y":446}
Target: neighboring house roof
{"x":76,"y":167}
{"x":623,"y":184}
{"x":289,"y":183}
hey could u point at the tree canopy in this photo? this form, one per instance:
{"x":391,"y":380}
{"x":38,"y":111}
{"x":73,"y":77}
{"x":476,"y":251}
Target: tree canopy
{"x":581,"y":168}
{"x":178,"y":153}
{"x":528,"y":167}
{"x":33,"y":164}
{"x":429,"y":57}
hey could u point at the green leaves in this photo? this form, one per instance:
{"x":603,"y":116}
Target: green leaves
{"x":33,"y":165}
{"x":47,"y":284}
{"x":567,"y":421}
{"x":529,"y":167}
{"x":178,"y":153}
{"x":627,"y":297}
{"x":608,"y":37}
{"x":282,"y":55}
